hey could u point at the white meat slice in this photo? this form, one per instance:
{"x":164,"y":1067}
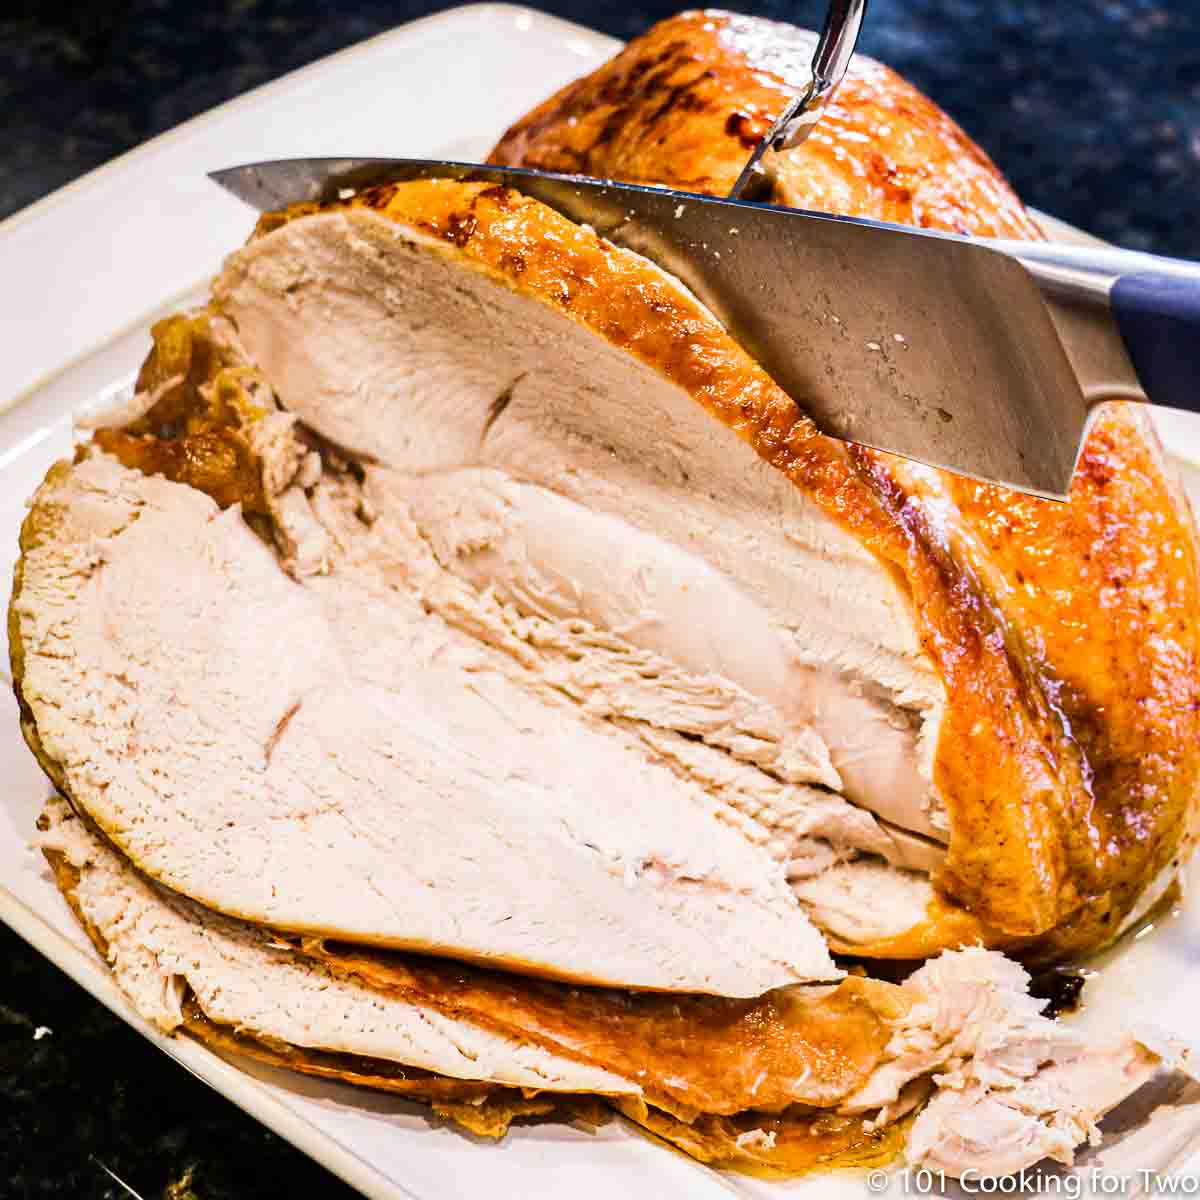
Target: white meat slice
{"x":520,"y":438}
{"x":162,"y":946}
{"x":329,"y":756}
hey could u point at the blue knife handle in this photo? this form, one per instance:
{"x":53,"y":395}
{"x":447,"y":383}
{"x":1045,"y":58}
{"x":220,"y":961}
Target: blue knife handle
{"x":1159,"y":319}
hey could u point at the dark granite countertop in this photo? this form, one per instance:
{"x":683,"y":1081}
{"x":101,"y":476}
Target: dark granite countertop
{"x":1092,"y":109}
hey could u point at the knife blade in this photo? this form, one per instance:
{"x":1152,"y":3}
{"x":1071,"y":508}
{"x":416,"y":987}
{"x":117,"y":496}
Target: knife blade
{"x":929,"y":345}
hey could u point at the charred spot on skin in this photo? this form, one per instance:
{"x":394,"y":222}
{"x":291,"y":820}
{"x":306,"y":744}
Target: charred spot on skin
{"x":680,"y":97}
{"x":1097,"y":472}
{"x":745,"y":128}
{"x":646,"y":75}
{"x":611,"y":127}
{"x":499,"y":194}
{"x":460,"y":227}
{"x":377,"y":197}
{"x":514,"y":262}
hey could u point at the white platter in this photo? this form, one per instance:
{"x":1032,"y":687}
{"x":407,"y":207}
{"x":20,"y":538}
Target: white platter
{"x":85,"y":271}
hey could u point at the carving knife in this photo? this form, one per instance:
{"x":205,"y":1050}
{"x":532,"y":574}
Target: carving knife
{"x":982,"y":357}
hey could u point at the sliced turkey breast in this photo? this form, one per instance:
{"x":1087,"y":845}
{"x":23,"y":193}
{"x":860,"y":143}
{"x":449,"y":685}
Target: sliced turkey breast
{"x":524,"y":461}
{"x":802,"y":1075}
{"x":871,"y":590}
{"x":164,"y":949}
{"x":534,"y":638}
{"x":454,"y":583}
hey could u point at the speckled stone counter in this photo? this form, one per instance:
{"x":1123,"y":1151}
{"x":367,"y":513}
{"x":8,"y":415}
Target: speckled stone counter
{"x":1092,"y":109}
{"x":82,"y":1095}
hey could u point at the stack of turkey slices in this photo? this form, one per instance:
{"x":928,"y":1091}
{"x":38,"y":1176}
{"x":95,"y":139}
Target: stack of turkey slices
{"x":454,"y":584}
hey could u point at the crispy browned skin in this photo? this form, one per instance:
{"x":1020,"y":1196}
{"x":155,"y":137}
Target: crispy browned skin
{"x":801,"y":1143}
{"x":1069,"y":758}
{"x":691,"y":1054}
{"x":485,"y":1109}
{"x":1108,"y":584}
{"x":685,"y":103}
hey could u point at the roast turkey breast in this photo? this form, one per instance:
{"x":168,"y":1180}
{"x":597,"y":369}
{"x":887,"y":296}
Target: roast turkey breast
{"x":329,"y":757}
{"x":516,"y":619}
{"x":455,"y":584}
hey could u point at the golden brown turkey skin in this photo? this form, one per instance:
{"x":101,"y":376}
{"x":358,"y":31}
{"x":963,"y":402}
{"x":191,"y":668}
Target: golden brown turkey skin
{"x":1107,"y":585}
{"x":687,"y":101}
{"x":1066,"y":634}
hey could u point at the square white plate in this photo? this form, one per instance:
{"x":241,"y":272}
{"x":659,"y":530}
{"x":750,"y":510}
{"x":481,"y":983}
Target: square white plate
{"x":85,"y":271}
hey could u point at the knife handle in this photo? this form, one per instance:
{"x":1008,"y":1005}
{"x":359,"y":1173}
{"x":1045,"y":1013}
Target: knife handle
{"x":1155,"y":304}
{"x":1159,"y":319}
